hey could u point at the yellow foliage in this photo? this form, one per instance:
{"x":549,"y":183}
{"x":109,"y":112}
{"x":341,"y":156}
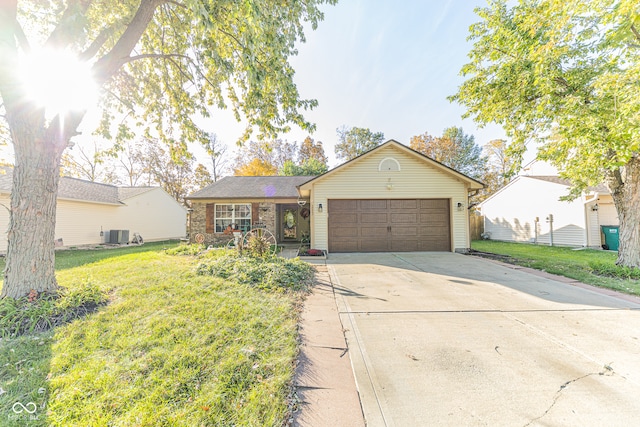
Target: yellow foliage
{"x":256,"y":167}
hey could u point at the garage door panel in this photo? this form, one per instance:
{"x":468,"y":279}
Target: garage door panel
{"x":344,"y":232}
{"x":434,"y":203}
{"x":403,"y":204}
{"x":374,"y":218}
{"x":405,"y":245}
{"x":404,"y":218}
{"x":343,"y":205}
{"x":374,"y":232}
{"x":344,"y":218}
{"x":436,"y":220}
{"x":405,"y":231}
{"x":373,"y":205}
{"x":384,"y":225}
{"x":432,"y":232}
{"x":374,"y":245}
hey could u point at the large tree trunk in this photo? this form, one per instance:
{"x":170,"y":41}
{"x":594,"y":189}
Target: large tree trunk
{"x":625,"y":190}
{"x":30,"y":254}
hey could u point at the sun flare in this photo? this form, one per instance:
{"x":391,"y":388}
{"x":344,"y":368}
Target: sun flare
{"x":58,"y":81}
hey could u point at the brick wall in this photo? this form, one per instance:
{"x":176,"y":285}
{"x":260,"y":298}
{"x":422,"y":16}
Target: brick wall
{"x":266,"y":215}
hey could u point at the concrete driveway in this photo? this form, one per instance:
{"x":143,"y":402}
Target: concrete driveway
{"x":448,"y":339}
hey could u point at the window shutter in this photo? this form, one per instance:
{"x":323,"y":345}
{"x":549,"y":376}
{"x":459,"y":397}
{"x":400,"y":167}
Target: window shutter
{"x":255,"y":216}
{"x":210,"y":218}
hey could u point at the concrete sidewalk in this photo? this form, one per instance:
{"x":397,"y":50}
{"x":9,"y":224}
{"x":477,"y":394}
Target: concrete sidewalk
{"x":324,"y":381}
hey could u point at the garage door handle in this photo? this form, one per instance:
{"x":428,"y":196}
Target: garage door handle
{"x":388,"y":229}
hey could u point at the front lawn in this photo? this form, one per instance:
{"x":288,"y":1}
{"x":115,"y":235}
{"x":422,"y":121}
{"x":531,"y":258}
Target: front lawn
{"x":594,"y":267}
{"x":171,"y":347}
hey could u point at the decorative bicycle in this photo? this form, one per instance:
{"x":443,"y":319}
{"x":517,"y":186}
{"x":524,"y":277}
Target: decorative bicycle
{"x":258,"y":237}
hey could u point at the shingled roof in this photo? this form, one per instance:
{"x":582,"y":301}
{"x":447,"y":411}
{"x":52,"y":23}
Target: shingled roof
{"x":80,"y":189}
{"x":252,"y":187}
{"x":129,"y":192}
{"x":600,"y":188}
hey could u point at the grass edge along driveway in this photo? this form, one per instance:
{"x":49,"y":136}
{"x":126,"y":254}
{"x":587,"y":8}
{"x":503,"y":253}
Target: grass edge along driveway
{"x":590,"y":266}
{"x":171,"y":347}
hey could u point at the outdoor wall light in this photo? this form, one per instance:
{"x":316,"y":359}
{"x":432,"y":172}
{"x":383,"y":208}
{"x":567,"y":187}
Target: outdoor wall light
{"x":594,"y":208}
{"x":320,"y":207}
{"x":389,"y":184}
{"x":460,"y":206}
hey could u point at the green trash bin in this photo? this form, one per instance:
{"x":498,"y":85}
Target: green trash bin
{"x":611,"y":237}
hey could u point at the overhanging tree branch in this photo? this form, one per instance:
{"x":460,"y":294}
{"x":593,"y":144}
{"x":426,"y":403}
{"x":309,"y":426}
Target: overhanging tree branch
{"x":68,"y":29}
{"x":107,"y":66}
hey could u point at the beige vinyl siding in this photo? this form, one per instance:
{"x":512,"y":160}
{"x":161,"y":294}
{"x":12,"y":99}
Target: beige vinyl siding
{"x":607,"y":213}
{"x":78,"y":223}
{"x":594,"y":239}
{"x":510,"y":214}
{"x":155,"y":215}
{"x":415,"y":180}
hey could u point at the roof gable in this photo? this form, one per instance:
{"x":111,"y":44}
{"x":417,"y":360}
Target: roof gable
{"x":473,"y":184}
{"x":81,"y":190}
{"x":549,"y":179}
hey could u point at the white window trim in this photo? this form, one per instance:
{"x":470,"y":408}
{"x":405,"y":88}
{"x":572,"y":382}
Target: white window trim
{"x":234,"y":220}
{"x":390,"y":159}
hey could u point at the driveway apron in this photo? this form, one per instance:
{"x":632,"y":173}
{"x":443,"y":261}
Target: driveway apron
{"x":448,"y":339}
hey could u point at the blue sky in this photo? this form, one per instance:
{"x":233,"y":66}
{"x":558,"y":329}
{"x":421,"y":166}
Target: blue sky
{"x":384,"y":65}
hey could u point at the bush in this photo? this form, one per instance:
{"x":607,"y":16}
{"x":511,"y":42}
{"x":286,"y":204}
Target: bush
{"x":189,"y":249}
{"x":268,"y":272}
{"x":258,"y":246}
{"x":36,"y":313}
{"x":611,"y":270}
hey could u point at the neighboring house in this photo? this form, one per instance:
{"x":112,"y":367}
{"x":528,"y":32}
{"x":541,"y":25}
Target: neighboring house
{"x":520,"y":211}
{"x":391,"y":198}
{"x":87,"y":211}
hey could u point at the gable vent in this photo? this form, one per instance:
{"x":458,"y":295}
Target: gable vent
{"x":389,"y":164}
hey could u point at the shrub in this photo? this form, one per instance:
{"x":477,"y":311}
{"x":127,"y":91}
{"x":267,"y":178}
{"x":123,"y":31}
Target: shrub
{"x":258,"y":246}
{"x":611,"y":270}
{"x":188,"y":249}
{"x":40,"y":312}
{"x":268,"y":272}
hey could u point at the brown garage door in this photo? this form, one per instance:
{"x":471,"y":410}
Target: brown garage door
{"x":389,"y":225}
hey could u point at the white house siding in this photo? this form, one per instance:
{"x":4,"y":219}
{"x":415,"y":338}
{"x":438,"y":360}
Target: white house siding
{"x":154,"y":214}
{"x":510,"y":214}
{"x":415,"y":180}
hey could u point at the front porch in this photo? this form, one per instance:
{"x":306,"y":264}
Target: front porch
{"x":289,"y":221}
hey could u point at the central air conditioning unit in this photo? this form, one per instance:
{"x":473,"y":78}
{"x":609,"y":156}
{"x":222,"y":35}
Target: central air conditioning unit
{"x":119,"y":236}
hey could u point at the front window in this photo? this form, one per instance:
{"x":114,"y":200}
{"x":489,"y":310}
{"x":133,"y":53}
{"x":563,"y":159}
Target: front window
{"x":240,"y":215}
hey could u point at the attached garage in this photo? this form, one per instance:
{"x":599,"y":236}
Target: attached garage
{"x":397,"y":225}
{"x":391,"y":198}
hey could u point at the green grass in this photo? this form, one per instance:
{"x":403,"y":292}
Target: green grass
{"x":594,"y":267}
{"x":171,"y":348}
